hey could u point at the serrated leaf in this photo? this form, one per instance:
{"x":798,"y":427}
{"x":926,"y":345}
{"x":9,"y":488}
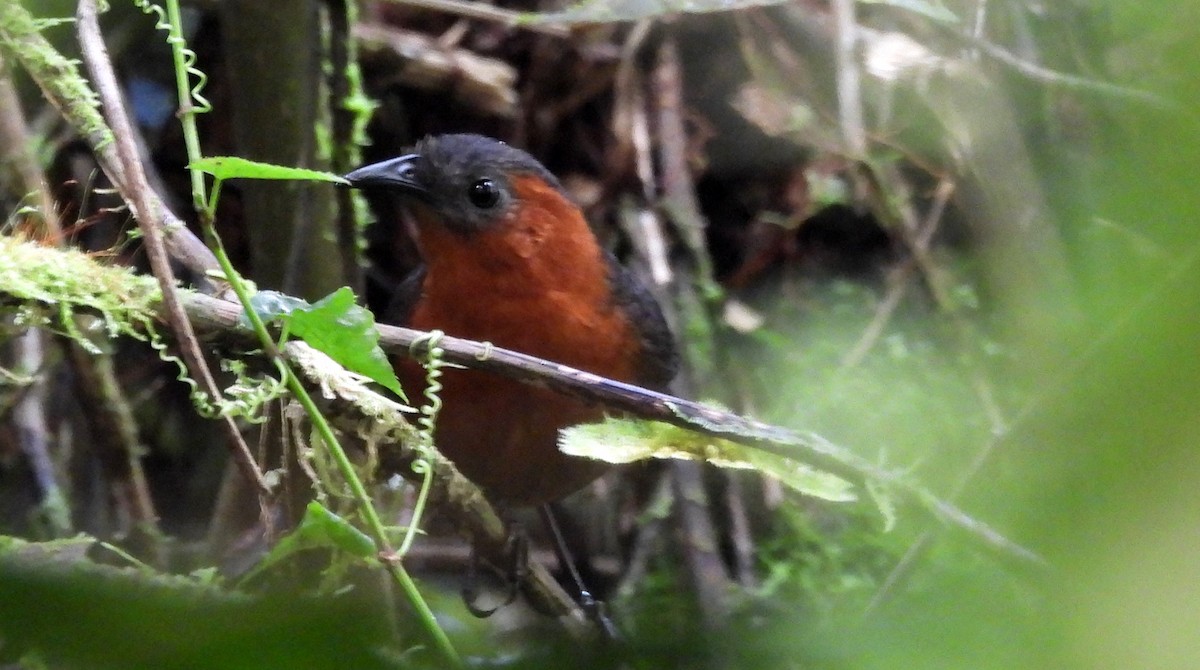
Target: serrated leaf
{"x":233,"y":167}
{"x":626,"y":441}
{"x":345,"y":332}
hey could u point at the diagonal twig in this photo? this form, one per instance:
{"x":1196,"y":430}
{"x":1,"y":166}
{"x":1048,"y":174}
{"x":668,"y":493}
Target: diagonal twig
{"x":15,"y":138}
{"x":135,"y":190}
{"x":697,"y":535}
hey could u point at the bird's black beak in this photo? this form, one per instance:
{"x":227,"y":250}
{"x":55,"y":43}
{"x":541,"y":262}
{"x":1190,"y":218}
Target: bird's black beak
{"x":401,"y":173}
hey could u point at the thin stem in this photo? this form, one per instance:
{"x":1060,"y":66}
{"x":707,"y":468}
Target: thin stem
{"x":374,"y":524}
{"x":187,"y":108}
{"x":363,"y":499}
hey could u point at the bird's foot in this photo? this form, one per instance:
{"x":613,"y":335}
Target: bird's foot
{"x":513,"y":574}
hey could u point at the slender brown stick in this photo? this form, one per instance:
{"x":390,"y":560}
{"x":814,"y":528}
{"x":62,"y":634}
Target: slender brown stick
{"x":33,"y":432}
{"x":698,"y":541}
{"x":135,"y":190}
{"x":692,"y":510}
{"x":18,"y":149}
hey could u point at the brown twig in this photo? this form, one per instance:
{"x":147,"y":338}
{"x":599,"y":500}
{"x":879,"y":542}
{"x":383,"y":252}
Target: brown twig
{"x":697,"y":539}
{"x":137,"y":193}
{"x":29,"y":419}
{"x":18,"y":151}
{"x":678,"y":186}
{"x":741,"y":538}
{"x":648,"y":539}
{"x":629,"y":125}
{"x":697,"y":535}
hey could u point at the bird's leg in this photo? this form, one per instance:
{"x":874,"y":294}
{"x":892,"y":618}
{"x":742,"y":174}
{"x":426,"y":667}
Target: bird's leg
{"x":595,"y":609}
{"x":516,"y":552}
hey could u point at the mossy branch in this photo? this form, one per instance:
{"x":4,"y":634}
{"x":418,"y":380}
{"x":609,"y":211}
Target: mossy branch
{"x":212,"y":316}
{"x":65,"y":87}
{"x":58,"y":76}
{"x":45,"y":282}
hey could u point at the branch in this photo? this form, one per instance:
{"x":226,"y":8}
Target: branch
{"x":60,"y":81}
{"x":220,"y":318}
{"x":812,"y":449}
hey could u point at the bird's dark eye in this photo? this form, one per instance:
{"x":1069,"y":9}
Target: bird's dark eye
{"x":484,"y":193}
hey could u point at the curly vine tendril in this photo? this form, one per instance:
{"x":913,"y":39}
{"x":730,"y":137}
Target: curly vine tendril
{"x":434,"y":362}
{"x":199,"y":104}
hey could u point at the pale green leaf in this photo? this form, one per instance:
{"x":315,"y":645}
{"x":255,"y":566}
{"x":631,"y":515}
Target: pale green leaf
{"x":627,"y":441}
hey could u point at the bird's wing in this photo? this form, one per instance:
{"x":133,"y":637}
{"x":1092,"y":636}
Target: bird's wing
{"x":660,"y":355}
{"x":405,"y":297}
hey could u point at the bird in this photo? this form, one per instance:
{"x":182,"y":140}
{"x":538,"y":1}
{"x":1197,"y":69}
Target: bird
{"x":509,"y":258}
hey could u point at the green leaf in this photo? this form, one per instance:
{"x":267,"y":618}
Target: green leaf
{"x":627,"y":440}
{"x":321,"y":524}
{"x":232,"y":167}
{"x":346,"y":333}
{"x":319,"y":529}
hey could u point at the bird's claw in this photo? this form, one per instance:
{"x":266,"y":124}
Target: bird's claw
{"x":514,"y":574}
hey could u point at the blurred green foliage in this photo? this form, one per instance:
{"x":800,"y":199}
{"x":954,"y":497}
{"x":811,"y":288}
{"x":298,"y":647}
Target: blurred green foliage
{"x":1097,"y":464}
